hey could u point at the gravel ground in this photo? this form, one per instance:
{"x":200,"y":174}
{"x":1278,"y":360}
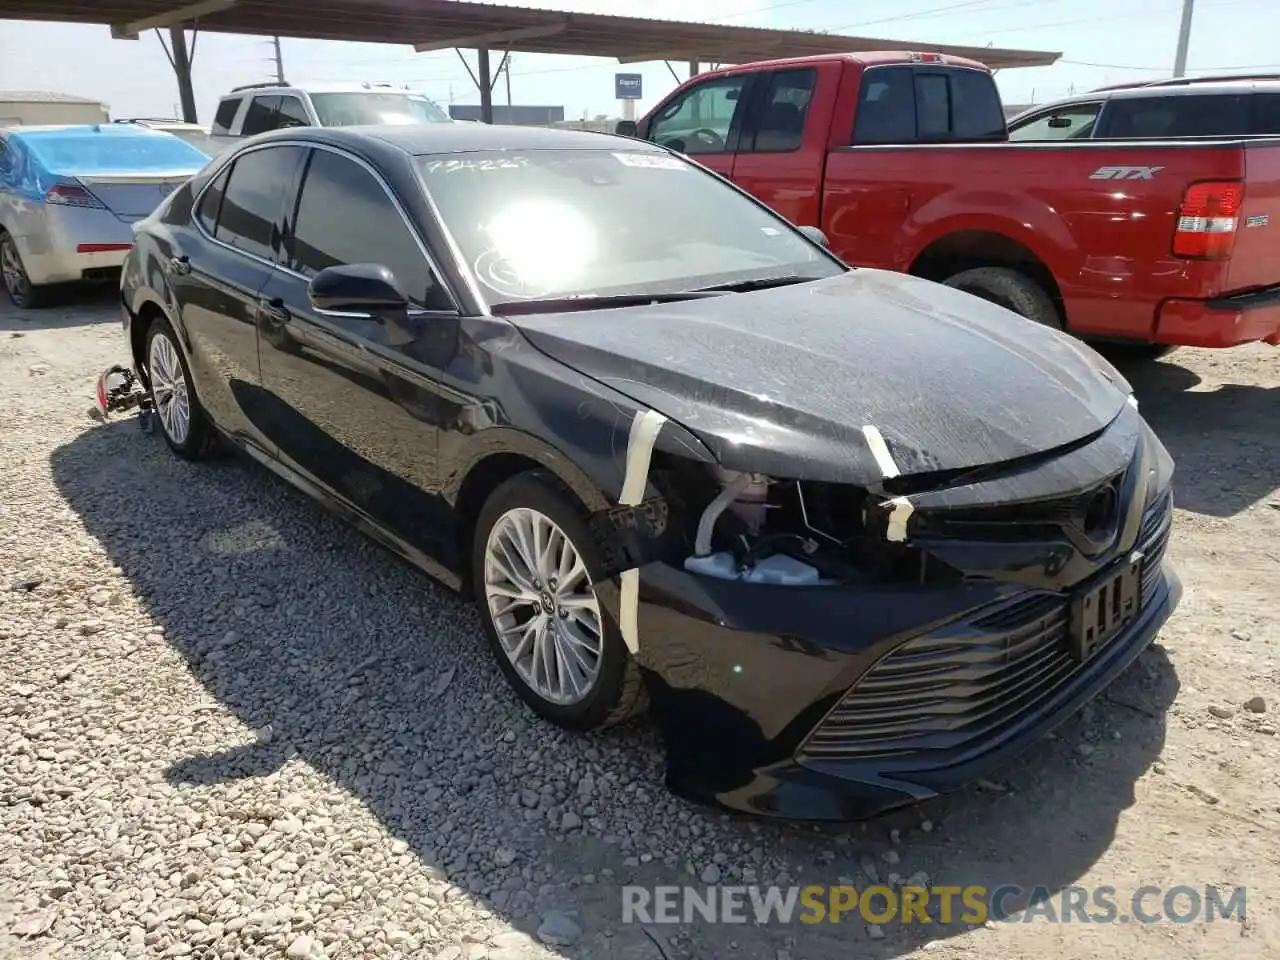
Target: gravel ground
{"x":232,"y":727}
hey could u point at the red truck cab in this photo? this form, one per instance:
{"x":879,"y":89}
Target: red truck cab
{"x":903,"y":161}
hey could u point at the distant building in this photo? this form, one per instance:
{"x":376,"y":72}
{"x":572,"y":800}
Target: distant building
{"x":27,"y":108}
{"x":515,"y":115}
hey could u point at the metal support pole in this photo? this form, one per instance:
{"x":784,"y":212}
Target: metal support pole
{"x":485,"y":83}
{"x":182,"y":69}
{"x":695,"y":68}
{"x":1184,"y":39}
{"x":279,"y":61}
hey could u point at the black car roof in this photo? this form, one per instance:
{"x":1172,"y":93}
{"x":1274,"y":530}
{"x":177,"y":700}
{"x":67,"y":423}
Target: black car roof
{"x":428,"y":138}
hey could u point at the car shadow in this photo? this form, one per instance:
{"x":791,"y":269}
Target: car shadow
{"x":1223,"y":441}
{"x":74,"y":305}
{"x":247,"y":577}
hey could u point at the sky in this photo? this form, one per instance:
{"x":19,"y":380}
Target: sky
{"x":1101,"y":41}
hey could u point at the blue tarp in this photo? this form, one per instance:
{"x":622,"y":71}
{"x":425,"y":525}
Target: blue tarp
{"x":109,"y":149}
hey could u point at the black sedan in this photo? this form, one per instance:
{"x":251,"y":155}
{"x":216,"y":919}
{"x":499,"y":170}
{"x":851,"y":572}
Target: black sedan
{"x":853,"y":538}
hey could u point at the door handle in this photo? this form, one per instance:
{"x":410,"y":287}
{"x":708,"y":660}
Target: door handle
{"x":180,"y":265}
{"x":273,"y":310}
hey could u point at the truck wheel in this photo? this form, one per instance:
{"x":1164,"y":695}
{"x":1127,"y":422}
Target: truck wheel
{"x":1010,"y":289}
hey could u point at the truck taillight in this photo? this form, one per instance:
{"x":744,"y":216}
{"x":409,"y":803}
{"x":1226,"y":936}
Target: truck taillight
{"x":1207,"y":219}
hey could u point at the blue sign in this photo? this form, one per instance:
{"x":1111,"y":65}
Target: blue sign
{"x":627,"y":86}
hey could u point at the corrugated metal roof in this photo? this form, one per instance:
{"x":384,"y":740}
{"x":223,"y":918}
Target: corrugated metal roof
{"x":445,"y":23}
{"x":43,"y":96}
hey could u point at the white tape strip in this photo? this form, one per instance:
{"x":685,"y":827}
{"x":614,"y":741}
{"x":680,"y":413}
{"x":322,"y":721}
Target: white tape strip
{"x":900,"y":510}
{"x":880,"y":450}
{"x":644,"y":434}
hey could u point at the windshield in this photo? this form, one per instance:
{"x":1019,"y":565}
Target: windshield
{"x":375,"y":107}
{"x":556,"y":223}
{"x":114,"y":153}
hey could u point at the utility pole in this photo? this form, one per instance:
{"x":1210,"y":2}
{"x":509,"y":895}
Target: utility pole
{"x":1184,"y":39}
{"x":508,"y":72}
{"x":279,"y":61}
{"x":182,"y":67}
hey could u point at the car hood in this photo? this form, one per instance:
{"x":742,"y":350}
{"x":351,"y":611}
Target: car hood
{"x":785,"y":381}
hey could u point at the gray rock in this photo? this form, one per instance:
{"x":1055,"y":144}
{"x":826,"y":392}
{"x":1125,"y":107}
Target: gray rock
{"x":711,"y":874}
{"x":558,"y":929}
{"x":1222,"y":713}
{"x":1256,"y":705}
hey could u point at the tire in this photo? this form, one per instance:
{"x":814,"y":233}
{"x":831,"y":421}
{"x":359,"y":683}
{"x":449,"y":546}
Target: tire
{"x":615,"y":690}
{"x":1010,"y":289}
{"x":172,"y":394}
{"x":24,"y":294}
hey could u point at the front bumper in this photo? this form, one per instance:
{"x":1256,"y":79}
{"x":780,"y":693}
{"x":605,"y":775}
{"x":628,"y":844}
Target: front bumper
{"x":762,"y":693}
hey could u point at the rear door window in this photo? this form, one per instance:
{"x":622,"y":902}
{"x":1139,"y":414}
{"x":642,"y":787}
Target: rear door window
{"x":927,"y":105}
{"x":886,"y":107}
{"x":253,"y":203}
{"x":1185,"y":115}
{"x":261,"y":115}
{"x":779,"y":123}
{"x":1265,"y":114}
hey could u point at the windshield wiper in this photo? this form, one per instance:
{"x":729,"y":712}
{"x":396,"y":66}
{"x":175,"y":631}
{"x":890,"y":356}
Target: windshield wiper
{"x":759,"y":283}
{"x":591,"y":301}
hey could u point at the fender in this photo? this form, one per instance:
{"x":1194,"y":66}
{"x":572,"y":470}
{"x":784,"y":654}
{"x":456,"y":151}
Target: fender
{"x":1020,"y":217}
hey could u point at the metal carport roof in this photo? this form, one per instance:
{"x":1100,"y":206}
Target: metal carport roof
{"x":440,"y":24}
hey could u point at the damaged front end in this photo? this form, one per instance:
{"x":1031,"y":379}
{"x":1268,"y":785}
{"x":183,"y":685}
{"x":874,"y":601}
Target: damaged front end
{"x":821,"y":650}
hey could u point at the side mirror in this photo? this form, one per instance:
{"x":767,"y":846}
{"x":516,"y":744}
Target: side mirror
{"x":626,"y":128}
{"x":816,"y":235}
{"x":359,"y":290}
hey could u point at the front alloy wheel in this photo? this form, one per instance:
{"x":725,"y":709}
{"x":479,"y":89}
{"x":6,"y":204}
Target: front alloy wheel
{"x":535,"y":567}
{"x":543,"y":606}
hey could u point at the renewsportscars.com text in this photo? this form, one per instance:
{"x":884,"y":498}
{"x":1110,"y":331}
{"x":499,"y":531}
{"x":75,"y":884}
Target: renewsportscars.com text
{"x":934,"y":904}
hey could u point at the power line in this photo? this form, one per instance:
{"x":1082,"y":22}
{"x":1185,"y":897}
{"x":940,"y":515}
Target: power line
{"x":1129,"y":66}
{"x":1123,"y":16}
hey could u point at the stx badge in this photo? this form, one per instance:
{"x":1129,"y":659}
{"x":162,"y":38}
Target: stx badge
{"x":1125,"y":173}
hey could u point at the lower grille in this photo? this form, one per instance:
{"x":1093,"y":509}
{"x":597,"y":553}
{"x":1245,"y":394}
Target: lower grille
{"x":944,"y":692}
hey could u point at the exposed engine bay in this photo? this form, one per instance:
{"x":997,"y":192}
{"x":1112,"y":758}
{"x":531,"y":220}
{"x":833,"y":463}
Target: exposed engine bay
{"x":749,"y":527}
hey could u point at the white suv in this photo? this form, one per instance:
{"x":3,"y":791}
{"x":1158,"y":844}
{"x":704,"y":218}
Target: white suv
{"x":259,"y":107}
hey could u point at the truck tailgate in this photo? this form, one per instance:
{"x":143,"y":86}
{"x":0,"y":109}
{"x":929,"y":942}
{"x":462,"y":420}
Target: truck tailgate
{"x":1255,"y":258}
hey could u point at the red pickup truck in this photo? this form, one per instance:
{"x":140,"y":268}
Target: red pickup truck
{"x":903,"y":162}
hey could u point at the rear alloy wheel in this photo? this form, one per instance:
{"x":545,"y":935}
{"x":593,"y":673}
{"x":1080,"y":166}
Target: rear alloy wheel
{"x":1010,"y":289}
{"x":24,"y":294}
{"x":184,"y":424}
{"x":536,"y":568}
